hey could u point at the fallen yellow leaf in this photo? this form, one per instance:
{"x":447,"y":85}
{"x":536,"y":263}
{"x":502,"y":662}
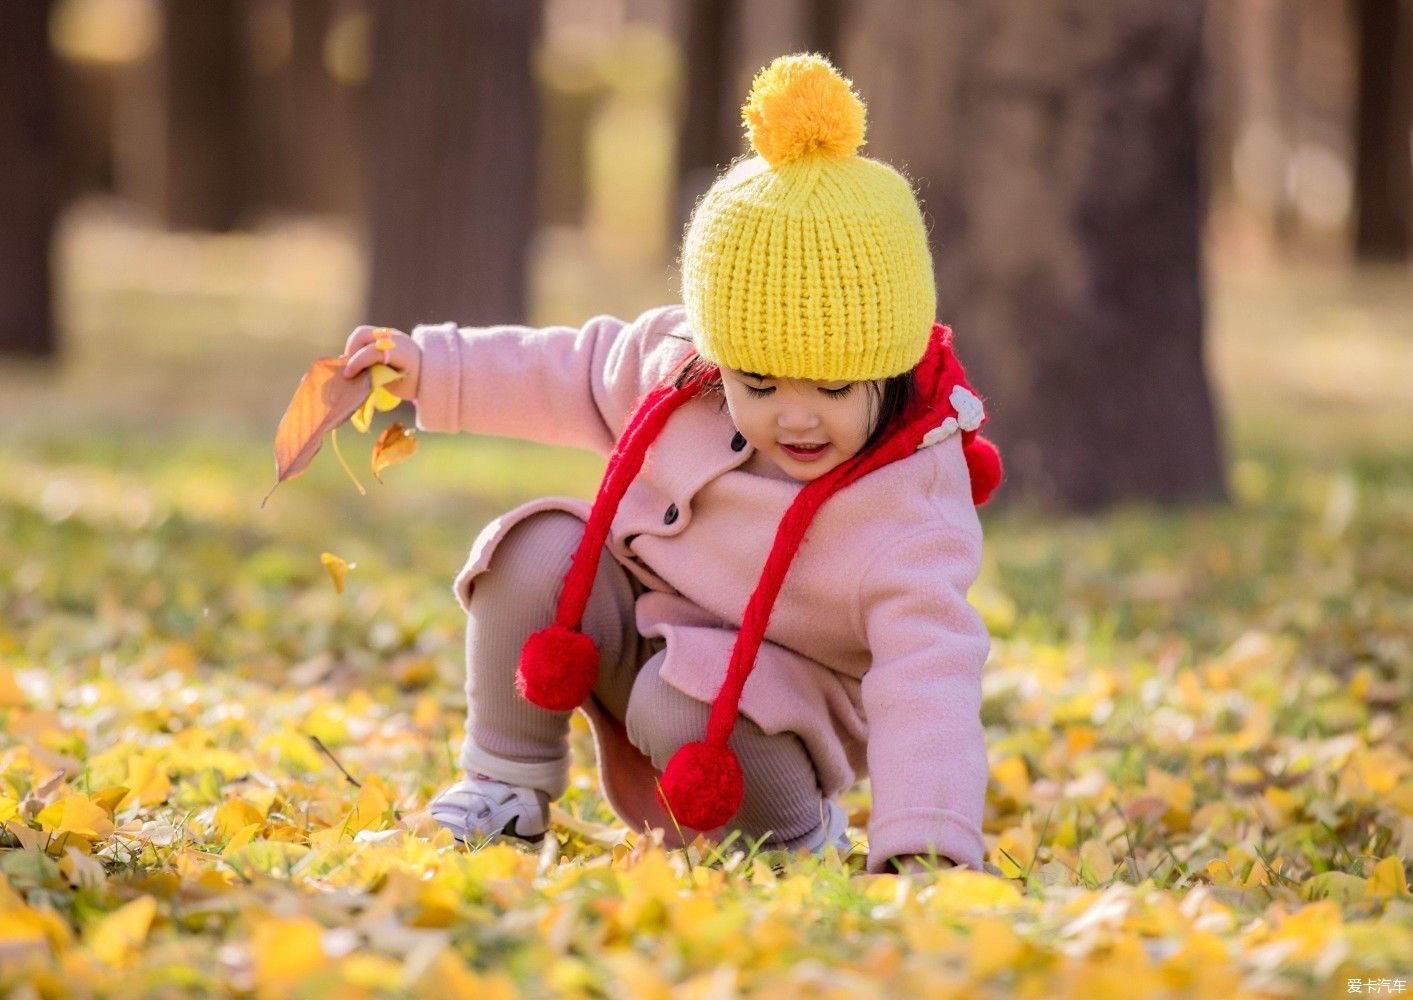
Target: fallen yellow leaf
{"x":242,"y":837}
{"x":234,"y":815}
{"x":337,"y":568}
{"x":993,"y":946}
{"x":147,"y":780}
{"x":78,"y":815}
{"x":285,"y":951}
{"x":1388,"y":879}
{"x":1340,"y":886}
{"x":1015,"y":849}
{"x":393,"y":445}
{"x":114,"y":939}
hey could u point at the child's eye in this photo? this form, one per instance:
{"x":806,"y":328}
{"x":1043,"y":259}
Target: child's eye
{"x":758,"y":392}
{"x":841,"y":391}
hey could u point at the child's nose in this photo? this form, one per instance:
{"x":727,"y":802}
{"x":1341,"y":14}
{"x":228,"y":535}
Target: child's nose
{"x":797,"y":418}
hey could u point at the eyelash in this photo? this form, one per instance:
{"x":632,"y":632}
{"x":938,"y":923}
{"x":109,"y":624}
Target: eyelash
{"x":839,"y":393}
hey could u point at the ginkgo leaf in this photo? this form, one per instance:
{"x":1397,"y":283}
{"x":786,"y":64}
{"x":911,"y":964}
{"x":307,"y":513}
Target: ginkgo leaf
{"x":121,"y":932}
{"x":1387,"y":879}
{"x":76,"y":814}
{"x":379,"y":398}
{"x":337,"y":568}
{"x":235,"y":815}
{"x":1340,"y":886}
{"x":323,"y":400}
{"x":393,"y":445}
{"x":108,"y":798}
{"x":148,"y":780}
{"x":285,"y":950}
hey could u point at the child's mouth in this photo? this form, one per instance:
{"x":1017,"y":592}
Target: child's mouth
{"x":802,"y":454}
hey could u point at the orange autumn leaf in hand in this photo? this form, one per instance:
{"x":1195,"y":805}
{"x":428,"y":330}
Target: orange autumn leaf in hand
{"x":394,"y":445}
{"x":323,"y":401}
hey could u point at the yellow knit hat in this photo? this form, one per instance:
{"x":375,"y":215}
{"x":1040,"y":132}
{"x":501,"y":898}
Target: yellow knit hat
{"x":808,"y":261}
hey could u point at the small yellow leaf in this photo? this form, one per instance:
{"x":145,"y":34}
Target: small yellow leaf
{"x":378,"y":398}
{"x":11,"y":696}
{"x":362,"y":418}
{"x":994,"y":946}
{"x":337,"y":568}
{"x":1388,"y":878}
{"x":1339,"y":886}
{"x":30,"y":839}
{"x":242,"y":837}
{"x":1015,"y":848}
{"x":285,"y":951}
{"x":76,"y":814}
{"x":965,"y":891}
{"x":372,"y":806}
{"x":107,"y":799}
{"x":384,"y":341}
{"x":1220,"y":872}
{"x":1011,"y":776}
{"x":21,"y":931}
{"x":234,"y":815}
{"x":123,"y":931}
{"x":147,"y":780}
{"x":394,"y":445}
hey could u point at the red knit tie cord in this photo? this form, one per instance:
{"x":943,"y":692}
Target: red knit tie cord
{"x":702,"y":785}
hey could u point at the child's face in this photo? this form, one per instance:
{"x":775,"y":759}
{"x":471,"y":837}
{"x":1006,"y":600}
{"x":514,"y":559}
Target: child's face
{"x":774,"y":413}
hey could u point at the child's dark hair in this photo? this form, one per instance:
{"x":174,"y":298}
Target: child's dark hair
{"x":892,"y":399}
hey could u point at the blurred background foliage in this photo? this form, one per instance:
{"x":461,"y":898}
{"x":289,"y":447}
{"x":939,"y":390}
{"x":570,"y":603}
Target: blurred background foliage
{"x":1150,"y":221}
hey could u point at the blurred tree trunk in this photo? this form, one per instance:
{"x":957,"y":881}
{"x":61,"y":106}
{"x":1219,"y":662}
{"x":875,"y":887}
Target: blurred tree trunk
{"x":29,"y":150}
{"x":1384,"y":163}
{"x":725,"y":44}
{"x":709,"y":136}
{"x":1056,"y":149}
{"x":318,"y":157}
{"x":192,"y":162}
{"x":452,"y":114}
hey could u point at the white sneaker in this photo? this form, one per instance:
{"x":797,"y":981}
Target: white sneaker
{"x":481,"y":808}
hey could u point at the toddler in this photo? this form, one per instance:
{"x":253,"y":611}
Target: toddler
{"x":766,"y":601}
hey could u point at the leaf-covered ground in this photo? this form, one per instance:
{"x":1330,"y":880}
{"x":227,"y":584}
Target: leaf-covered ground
{"x":1198,"y":722}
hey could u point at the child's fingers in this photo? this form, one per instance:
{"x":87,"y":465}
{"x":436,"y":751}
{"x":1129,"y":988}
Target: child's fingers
{"x":366,"y":357}
{"x":371,"y":344}
{"x":361,"y":335}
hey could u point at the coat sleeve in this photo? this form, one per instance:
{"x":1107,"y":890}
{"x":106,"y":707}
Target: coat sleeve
{"x":557,"y":384}
{"x":922,"y":697}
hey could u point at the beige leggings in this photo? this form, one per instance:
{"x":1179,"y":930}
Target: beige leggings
{"x":512,"y":740}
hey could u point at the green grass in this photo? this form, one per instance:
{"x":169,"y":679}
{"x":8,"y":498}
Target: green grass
{"x":1254,"y":656}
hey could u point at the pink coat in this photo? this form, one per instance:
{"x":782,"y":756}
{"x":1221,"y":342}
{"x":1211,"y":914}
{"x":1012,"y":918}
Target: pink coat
{"x":872,"y":656}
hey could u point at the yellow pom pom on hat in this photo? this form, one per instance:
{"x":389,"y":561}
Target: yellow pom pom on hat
{"x":808,"y":260}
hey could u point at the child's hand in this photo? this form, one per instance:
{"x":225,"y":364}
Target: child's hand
{"x":369,"y":345}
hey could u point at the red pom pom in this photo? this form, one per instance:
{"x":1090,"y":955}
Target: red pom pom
{"x":558,"y":667}
{"x":984,"y":465}
{"x":702,"y":785}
